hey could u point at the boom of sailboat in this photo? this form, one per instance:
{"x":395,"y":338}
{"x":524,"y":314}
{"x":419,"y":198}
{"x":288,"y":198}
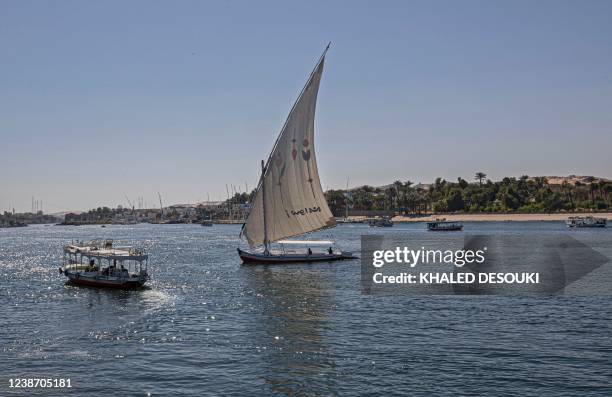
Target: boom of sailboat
{"x":289,"y":199}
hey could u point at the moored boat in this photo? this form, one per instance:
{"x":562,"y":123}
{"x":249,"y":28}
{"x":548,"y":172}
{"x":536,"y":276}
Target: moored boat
{"x":381,"y":222}
{"x":289,"y":200}
{"x":442,"y":225}
{"x":585,"y":221}
{"x":98,"y":264}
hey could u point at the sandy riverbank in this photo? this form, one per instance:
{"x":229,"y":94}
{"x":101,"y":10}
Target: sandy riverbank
{"x":497,"y":217}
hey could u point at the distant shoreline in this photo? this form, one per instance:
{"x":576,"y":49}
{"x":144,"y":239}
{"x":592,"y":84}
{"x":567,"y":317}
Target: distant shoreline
{"x":499,"y":217}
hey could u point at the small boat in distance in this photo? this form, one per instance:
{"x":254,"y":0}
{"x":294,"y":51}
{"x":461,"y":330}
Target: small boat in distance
{"x":381,"y":222}
{"x":289,"y":200}
{"x":442,"y":225}
{"x":98,"y":264}
{"x":207,"y":222}
{"x":585,"y":221}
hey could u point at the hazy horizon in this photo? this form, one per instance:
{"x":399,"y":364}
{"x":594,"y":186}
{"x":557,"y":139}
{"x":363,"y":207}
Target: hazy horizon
{"x":103,"y":100}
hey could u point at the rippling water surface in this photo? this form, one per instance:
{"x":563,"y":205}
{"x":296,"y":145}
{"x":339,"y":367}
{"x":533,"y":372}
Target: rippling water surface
{"x":209,"y":326}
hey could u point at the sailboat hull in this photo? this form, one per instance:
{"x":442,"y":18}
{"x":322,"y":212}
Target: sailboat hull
{"x":256,"y":258}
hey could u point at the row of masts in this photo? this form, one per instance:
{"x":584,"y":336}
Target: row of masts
{"x":37,"y":205}
{"x":143,"y":204}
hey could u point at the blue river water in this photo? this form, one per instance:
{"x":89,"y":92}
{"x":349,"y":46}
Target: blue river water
{"x":207,"y":325}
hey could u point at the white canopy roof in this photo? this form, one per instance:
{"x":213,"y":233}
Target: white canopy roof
{"x":306,"y":242}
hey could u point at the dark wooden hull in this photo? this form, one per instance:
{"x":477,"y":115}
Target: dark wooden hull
{"x":586,"y":222}
{"x":596,"y":225}
{"x":447,"y":229}
{"x":380,"y":223}
{"x":255,"y":258}
{"x":77,"y":279}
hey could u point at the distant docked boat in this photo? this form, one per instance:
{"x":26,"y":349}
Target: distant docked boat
{"x":289,"y":200}
{"x":13,"y":224}
{"x":585,"y":221}
{"x":207,"y":222}
{"x":98,"y":264}
{"x":381,"y":222}
{"x":349,"y":220}
{"x":441,"y":225}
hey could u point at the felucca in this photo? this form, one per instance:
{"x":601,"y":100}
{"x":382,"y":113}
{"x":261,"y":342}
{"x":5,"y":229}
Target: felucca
{"x":289,"y":200}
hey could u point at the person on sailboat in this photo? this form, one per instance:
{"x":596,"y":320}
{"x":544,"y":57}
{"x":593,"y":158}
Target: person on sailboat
{"x":330,"y":250}
{"x":309,"y":251}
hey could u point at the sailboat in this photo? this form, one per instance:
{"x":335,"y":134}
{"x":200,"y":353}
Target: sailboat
{"x":289,"y":200}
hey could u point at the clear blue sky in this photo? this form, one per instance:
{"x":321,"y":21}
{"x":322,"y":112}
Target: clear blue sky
{"x":102,"y":99}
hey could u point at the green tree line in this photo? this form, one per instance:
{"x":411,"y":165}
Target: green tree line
{"x":524,"y":195}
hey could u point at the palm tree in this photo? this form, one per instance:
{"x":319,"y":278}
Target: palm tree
{"x":540,"y":181}
{"x":479,"y":177}
{"x":390,"y":197}
{"x":399,"y":189}
{"x":607,"y":190}
{"x":602,"y":188}
{"x":592,"y":188}
{"x":568,"y":192}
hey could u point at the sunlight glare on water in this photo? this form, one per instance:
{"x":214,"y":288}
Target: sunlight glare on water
{"x":206,"y":324}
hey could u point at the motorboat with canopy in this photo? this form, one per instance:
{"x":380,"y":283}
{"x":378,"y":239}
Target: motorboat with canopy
{"x":585,"y":221}
{"x":98,"y":263}
{"x":289,"y":200}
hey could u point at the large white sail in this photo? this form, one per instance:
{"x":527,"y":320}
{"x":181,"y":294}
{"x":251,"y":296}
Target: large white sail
{"x":294,"y":200}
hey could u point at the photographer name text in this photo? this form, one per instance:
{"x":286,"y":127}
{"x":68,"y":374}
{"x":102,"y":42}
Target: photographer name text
{"x":457,"y":258}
